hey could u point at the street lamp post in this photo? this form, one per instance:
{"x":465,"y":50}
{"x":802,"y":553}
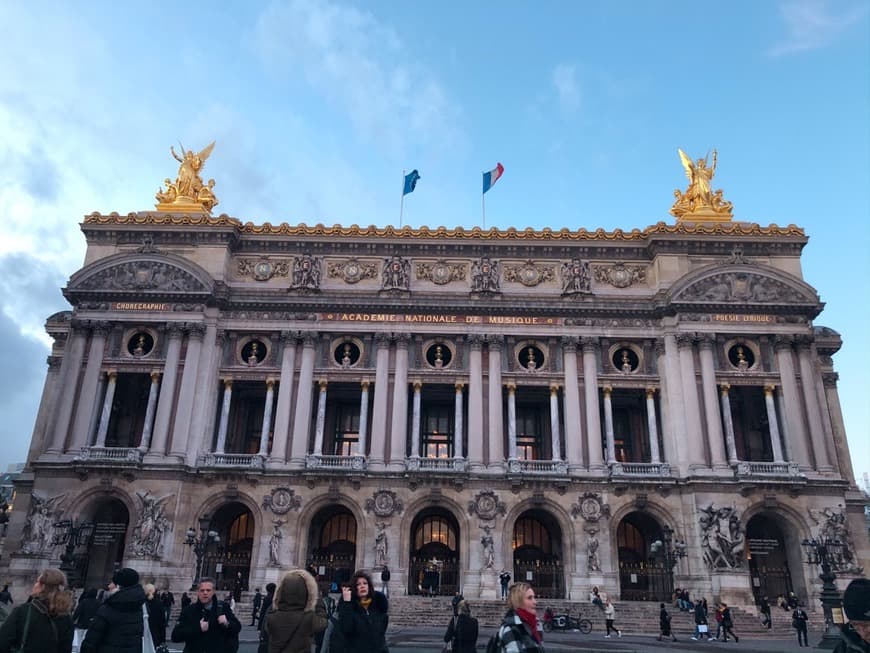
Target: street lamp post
{"x":71,"y":535}
{"x":827,"y":553}
{"x":199,"y":545}
{"x":670,"y":552}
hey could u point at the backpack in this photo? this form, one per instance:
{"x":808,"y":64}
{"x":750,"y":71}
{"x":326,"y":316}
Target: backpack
{"x":494,"y":644}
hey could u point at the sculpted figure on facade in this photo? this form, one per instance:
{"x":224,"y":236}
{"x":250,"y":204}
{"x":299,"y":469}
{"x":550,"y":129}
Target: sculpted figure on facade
{"x":382,"y":544}
{"x":275,"y":542}
{"x":593,"y":562}
{"x":699,"y":198}
{"x":306,"y":273}
{"x":38,"y":532}
{"x":188,"y":189}
{"x":722,"y":537}
{"x":488,"y":545}
{"x":831,"y":526}
{"x":485,"y":276}
{"x":576,"y":278}
{"x":396,"y":274}
{"x":147,"y":540}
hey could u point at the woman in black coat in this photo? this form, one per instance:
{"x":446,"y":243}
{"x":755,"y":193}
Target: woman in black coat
{"x":462,"y":630}
{"x":43,"y":624}
{"x":118,"y":625}
{"x":362,"y":616}
{"x":156,"y":615}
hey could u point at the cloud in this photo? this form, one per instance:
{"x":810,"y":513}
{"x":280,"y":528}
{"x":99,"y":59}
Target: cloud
{"x":814,"y":24}
{"x":565,"y":82}
{"x":363,"y":69}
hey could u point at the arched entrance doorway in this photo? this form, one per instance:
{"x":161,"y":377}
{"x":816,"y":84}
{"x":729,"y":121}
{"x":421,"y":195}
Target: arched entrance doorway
{"x":642,"y":577}
{"x":234,"y":523}
{"x":772,"y":552}
{"x":332,"y":546}
{"x":104,"y":553}
{"x":537,"y":547}
{"x":434,"y":554}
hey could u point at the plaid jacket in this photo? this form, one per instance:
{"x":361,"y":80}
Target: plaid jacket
{"x":515,"y":637}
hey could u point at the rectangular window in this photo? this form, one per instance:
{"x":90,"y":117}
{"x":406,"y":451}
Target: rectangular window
{"x":530,"y":431}
{"x":346,"y":435}
{"x":437,"y":430}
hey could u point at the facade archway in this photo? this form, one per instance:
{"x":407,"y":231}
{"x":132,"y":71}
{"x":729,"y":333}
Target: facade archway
{"x":231,"y":557}
{"x":332,"y":547}
{"x":537,"y":553}
{"x":105,"y":548}
{"x":642,"y":577}
{"x":774,"y":556}
{"x":434,"y":553}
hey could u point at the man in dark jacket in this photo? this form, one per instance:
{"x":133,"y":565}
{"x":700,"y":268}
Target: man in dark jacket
{"x":855,"y":637}
{"x":267,"y":603}
{"x":118,"y":625}
{"x":258,"y":603}
{"x":207,"y":625}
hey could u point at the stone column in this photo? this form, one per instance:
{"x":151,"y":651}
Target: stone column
{"x":97,"y":412}
{"x":182,"y":430}
{"x":38,"y":442}
{"x":68,"y":378}
{"x":783,"y":424}
{"x":593,"y":414}
{"x":729,"y":424}
{"x":88,"y":397}
{"x":415,"y":421}
{"x":811,"y":401}
{"x":672,"y":384}
{"x":281,"y":433}
{"x":715,"y":437}
{"x":321,"y":418}
{"x":363,"y":416}
{"x":608,"y":425}
{"x":225,"y":417}
{"x":832,"y":397}
{"x":267,"y":417}
{"x":652,"y":426}
{"x":457,"y":422}
{"x":148,"y":427}
{"x":694,"y":429}
{"x":167,"y":393}
{"x":669,"y":442}
{"x":399,"y":425}
{"x":571,"y":398}
{"x":475,"y":402}
{"x":381,"y":400}
{"x":496,"y":418}
{"x":793,"y":414}
{"x":556,"y":444}
{"x":512,"y":421}
{"x":775,"y":442}
{"x":302,"y":421}
{"x":106,"y":415}
{"x":202,"y":421}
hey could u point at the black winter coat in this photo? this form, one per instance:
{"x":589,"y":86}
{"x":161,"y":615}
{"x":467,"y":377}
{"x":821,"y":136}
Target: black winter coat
{"x":85,"y":611}
{"x":462,"y":631}
{"x":217,"y":639}
{"x":363,"y":631}
{"x":118,"y":625}
{"x":156,"y":620}
{"x":44,"y":634}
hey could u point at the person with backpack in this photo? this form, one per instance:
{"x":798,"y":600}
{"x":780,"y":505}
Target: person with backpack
{"x":119,"y":625}
{"x":518,"y":632}
{"x":799,"y":619}
{"x":363,"y":616}
{"x":43,"y":624}
{"x":296,"y":614}
{"x":207,"y":625}
{"x":665,"y":624}
{"x":323,"y":639}
{"x":462,"y":631}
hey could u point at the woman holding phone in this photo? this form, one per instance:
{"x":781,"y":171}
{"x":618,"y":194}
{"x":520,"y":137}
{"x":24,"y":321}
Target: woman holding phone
{"x":362,"y":616}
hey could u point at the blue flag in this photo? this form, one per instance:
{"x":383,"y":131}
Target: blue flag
{"x":411,"y":182}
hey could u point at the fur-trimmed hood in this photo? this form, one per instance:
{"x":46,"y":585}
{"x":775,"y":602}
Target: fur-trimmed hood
{"x":296,"y":591}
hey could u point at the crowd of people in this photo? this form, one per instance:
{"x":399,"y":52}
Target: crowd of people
{"x":292,"y":617}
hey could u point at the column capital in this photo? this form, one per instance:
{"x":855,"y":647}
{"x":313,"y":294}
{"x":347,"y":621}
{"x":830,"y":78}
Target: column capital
{"x":228,"y":382}
{"x":402,"y":340}
{"x":155,"y":376}
{"x":383,"y":339}
{"x":195,"y":330}
{"x":111,"y":375}
{"x":706,"y":340}
{"x":804,"y":342}
{"x":769,"y":388}
{"x":322,"y":383}
{"x":270,"y":383}
{"x":174,"y":330}
{"x":495,"y":341}
{"x":590,"y":344}
{"x":54,"y":362}
{"x":309,"y":338}
{"x":651,"y":392}
{"x":783,"y":342}
{"x":554,"y":388}
{"x":476,"y":341}
{"x":364,"y":384}
{"x":288,"y":337}
{"x":607,"y":390}
{"x":418,"y":385}
{"x":724,"y":388}
{"x":78,"y":326}
{"x":459,"y":386}
{"x":829,"y":379}
{"x":684,"y":339}
{"x":100,"y":328}
{"x":570,"y":343}
{"x":511,"y":388}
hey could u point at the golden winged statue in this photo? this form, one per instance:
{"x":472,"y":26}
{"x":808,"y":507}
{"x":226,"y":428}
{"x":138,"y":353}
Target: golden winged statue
{"x":188,"y":192}
{"x":699,"y":203}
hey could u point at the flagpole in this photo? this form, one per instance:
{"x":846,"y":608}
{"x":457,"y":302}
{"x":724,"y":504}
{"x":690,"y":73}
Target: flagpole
{"x":483,"y":206}
{"x":402,"y":201}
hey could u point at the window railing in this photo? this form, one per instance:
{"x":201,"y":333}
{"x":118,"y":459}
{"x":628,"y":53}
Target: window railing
{"x":544,"y":467}
{"x":235,"y":460}
{"x":416,"y":464}
{"x":120,"y":455}
{"x":320,"y":461}
{"x":749,"y":468}
{"x":642,"y":470}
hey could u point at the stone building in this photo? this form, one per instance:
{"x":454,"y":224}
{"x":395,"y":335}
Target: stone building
{"x":635,"y":410}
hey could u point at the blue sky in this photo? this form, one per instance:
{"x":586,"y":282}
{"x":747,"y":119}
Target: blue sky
{"x":317,"y":107}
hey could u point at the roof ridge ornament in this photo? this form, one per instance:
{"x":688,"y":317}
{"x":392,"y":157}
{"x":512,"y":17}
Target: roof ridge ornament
{"x":188,"y":194}
{"x":700,"y":203}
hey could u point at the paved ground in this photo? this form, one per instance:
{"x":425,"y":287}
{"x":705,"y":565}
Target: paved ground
{"x":428,"y":640}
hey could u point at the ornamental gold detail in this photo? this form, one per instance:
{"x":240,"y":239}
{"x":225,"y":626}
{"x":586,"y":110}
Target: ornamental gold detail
{"x":700,"y":203}
{"x":188,"y":194}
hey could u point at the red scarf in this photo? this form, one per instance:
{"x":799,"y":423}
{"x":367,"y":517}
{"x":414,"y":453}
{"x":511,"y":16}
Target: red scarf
{"x":531,"y":620}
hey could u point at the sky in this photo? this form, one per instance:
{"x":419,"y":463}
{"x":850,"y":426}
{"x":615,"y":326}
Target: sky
{"x":318,"y":107}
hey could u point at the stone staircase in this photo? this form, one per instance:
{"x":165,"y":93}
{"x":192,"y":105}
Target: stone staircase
{"x":631,"y":616}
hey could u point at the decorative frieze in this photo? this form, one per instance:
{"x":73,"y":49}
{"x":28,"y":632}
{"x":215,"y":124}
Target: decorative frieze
{"x":262,"y":269}
{"x":620,"y":275}
{"x":352,"y":270}
{"x":529,"y":273}
{"x":441,"y":272}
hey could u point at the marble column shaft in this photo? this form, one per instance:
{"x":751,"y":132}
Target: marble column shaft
{"x":783,"y":425}
{"x":608,"y":425}
{"x":571,"y":399}
{"x":838,"y":426}
{"x":457,"y":423}
{"x":302,"y":421}
{"x":88,"y":397}
{"x":512,"y":420}
{"x":106,"y":415}
{"x":475,"y":404}
{"x":320,"y":421}
{"x":594,"y":450}
{"x":415,"y":421}
{"x":70,"y":369}
{"x":691,"y":404}
{"x":202,"y":426}
{"x":363,"y":417}
{"x":281,"y":433}
{"x":399,"y":425}
{"x":652,"y":426}
{"x":715,"y":436}
{"x":496,"y":406}
{"x":672,"y":384}
{"x":796,"y":430}
{"x":669,"y":440}
{"x":555,"y":434}
{"x":225,"y":417}
{"x":773,"y":425}
{"x":814,"y":418}
{"x":381,"y":401}
{"x":728,"y":422}
{"x":150,"y":410}
{"x":267,"y":417}
{"x":166,"y":401}
{"x":182,"y":431}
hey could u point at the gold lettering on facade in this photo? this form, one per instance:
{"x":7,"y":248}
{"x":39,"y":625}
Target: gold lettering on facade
{"x":427,"y":318}
{"x":737,"y":317}
{"x":140,"y":306}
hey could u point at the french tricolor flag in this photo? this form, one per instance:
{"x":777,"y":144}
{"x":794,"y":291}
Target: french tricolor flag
{"x":489,"y":178}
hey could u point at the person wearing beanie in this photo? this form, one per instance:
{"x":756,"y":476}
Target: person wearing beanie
{"x":855,"y":635}
{"x":118,"y":625}
{"x":296,"y":614}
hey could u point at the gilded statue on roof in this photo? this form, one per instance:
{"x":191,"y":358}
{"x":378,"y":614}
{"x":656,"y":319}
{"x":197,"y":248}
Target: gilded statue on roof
{"x":188,"y":192}
{"x":700,"y":202}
